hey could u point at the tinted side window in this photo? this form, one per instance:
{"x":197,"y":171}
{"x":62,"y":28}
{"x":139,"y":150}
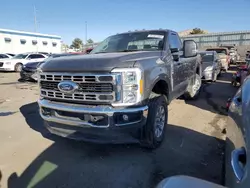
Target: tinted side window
{"x":2,"y":56}
{"x":174,"y":41}
{"x":36,"y":56}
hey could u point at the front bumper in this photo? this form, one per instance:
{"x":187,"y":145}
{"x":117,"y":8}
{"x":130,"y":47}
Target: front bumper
{"x":5,"y":67}
{"x":28,"y":75}
{"x":79,"y":122}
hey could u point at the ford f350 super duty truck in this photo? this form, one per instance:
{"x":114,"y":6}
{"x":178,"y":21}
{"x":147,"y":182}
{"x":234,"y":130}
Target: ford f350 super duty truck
{"x":120,"y":91}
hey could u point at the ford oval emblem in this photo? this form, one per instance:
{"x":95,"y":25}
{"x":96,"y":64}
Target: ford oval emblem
{"x":68,"y":86}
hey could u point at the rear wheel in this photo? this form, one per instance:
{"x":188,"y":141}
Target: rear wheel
{"x":214,"y":77}
{"x":18,"y":67}
{"x":156,"y":122}
{"x":194,"y":90}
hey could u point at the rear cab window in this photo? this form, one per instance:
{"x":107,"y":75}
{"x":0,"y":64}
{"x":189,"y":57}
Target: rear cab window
{"x":218,"y":50}
{"x":207,"y":57}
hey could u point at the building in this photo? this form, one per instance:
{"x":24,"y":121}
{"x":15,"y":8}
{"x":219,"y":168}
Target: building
{"x":12,"y":41}
{"x":240,"y":39}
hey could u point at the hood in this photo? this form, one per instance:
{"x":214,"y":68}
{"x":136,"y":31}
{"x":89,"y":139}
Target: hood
{"x":32,"y":65}
{"x":104,"y":62}
{"x":11,"y":60}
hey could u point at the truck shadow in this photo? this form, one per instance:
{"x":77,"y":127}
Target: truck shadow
{"x":213,"y":96}
{"x":68,"y":163}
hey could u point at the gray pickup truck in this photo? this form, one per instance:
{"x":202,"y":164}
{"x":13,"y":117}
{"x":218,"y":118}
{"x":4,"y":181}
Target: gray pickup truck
{"x":119,"y":93}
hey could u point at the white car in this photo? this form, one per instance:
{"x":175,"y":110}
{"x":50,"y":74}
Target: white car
{"x":5,"y":56}
{"x":16,"y":62}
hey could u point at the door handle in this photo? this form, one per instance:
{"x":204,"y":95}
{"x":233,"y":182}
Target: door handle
{"x":236,"y":156}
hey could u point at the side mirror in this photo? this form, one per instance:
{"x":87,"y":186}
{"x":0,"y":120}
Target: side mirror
{"x":189,"y":48}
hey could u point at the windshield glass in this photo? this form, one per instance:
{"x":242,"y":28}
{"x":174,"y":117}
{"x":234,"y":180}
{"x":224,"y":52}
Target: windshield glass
{"x":207,"y":57}
{"x":137,"y":41}
{"x":20,"y":56}
{"x":219,"y":51}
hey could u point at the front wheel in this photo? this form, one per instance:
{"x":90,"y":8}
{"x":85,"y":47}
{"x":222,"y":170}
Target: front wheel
{"x":154,"y":130}
{"x":18,"y":67}
{"x":194,"y":90}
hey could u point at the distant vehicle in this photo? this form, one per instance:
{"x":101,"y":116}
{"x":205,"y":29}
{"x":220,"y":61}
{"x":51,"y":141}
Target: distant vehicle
{"x":5,"y":56}
{"x":16,"y":62}
{"x":44,"y":53}
{"x":211,"y":65}
{"x":223,"y":55}
{"x":29,"y":71}
{"x":234,"y":57}
{"x":239,"y":76}
{"x":247,"y":54}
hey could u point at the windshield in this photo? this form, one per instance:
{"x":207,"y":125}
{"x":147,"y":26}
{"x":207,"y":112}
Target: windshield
{"x":20,"y":56}
{"x":207,"y":57}
{"x":219,"y":51}
{"x":137,"y":41}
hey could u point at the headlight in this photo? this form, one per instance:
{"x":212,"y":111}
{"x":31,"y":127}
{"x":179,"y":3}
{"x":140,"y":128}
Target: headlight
{"x":209,"y":68}
{"x":7,"y":63}
{"x":131,"y":86}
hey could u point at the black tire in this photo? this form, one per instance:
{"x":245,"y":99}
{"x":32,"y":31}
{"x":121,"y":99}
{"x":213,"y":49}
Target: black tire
{"x":219,"y":73}
{"x":191,"y":94}
{"x":18,"y":67}
{"x":214,"y":77}
{"x":150,"y":139}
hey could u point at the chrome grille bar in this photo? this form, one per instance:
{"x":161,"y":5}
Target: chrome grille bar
{"x":94,"y":88}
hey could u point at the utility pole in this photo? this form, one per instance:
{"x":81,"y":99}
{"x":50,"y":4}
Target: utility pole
{"x":35,"y":21}
{"x":86,"y":32}
{"x":35,"y":26}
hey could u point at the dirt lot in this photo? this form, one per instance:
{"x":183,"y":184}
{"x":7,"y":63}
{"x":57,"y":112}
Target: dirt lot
{"x":193,"y":146}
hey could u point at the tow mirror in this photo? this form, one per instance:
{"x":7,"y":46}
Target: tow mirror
{"x":189,"y":48}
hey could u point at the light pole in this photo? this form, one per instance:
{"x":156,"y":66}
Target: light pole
{"x":86,"y":32}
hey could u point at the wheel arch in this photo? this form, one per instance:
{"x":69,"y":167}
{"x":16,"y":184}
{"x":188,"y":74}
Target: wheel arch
{"x":161,"y":85}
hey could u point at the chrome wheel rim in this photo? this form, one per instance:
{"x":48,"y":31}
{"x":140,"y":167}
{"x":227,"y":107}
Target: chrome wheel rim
{"x":160,"y":119}
{"x":197,"y":85}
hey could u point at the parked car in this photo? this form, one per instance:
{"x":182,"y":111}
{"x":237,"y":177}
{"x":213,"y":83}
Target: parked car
{"x":16,"y":62}
{"x":240,"y":75}
{"x":29,"y":70}
{"x":211,"y":65}
{"x":234,"y":56}
{"x":121,"y":91}
{"x":223,"y":55}
{"x":5,"y":56}
{"x":247,"y":54}
{"x":238,"y":139}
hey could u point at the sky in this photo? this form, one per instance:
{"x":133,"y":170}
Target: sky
{"x":107,"y":17}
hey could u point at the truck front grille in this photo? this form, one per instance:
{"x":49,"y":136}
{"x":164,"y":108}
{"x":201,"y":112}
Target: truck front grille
{"x":94,"y":88}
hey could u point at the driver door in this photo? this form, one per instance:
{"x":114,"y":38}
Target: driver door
{"x":179,"y":65}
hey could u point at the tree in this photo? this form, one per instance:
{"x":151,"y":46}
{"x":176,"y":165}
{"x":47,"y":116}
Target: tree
{"x":77,"y":43}
{"x":90,"y":41}
{"x":197,"y":31}
{"x":64,"y":47}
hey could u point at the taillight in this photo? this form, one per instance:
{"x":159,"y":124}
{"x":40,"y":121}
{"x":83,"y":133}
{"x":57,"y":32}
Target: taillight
{"x":228,"y":58}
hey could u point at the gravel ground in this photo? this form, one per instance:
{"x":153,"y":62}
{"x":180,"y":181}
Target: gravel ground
{"x":31,"y":157}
